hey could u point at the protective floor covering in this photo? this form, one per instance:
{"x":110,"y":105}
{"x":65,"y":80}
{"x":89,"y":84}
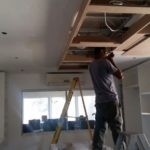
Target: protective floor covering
{"x":76,"y":146}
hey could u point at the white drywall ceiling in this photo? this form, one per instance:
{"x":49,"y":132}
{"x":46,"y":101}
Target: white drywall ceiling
{"x":37,"y":32}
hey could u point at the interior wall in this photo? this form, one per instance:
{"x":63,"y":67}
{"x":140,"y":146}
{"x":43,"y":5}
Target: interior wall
{"x":2,"y":105}
{"x":14,"y":139}
{"x":144,"y":82}
{"x":146,"y":126}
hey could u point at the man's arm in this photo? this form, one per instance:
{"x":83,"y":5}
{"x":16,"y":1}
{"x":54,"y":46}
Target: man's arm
{"x":118,"y":73}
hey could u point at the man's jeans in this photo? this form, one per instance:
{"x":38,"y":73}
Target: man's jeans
{"x":107,"y":113}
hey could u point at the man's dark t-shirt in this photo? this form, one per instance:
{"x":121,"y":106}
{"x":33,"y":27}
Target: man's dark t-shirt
{"x":102,"y":76}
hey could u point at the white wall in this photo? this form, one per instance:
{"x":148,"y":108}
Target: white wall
{"x":146,"y":126}
{"x":2,"y":106}
{"x":14,"y":139}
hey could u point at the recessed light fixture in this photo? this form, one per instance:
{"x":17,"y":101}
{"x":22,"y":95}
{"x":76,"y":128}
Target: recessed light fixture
{"x":22,"y":70}
{"x":16,"y":57}
{"x":4,"y":33}
{"x":116,"y":2}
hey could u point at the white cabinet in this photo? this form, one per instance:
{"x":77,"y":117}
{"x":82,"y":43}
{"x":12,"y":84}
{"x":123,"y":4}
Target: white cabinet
{"x":144,"y":82}
{"x":144,"y":77}
{"x":2,"y":106}
{"x":144,"y":85}
{"x":131,"y":98}
{"x":136,"y":92}
{"x":145,"y":104}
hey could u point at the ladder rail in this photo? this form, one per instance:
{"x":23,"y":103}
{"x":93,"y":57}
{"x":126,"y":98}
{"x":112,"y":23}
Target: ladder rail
{"x":88,"y":125}
{"x":65,"y":109}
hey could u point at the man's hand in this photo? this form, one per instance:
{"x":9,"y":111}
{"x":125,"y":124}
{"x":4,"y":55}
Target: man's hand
{"x":110,"y":56}
{"x":118,"y":73}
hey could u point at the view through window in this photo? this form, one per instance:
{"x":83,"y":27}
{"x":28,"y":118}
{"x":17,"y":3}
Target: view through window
{"x":42,"y":110}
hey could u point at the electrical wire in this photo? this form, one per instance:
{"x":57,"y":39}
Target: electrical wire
{"x":112,"y":30}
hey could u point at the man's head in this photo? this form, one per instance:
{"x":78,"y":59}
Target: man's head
{"x":99,"y":53}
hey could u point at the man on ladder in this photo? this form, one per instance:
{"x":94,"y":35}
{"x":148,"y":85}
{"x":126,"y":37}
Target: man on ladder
{"x":102,"y":70}
{"x":65,"y":109}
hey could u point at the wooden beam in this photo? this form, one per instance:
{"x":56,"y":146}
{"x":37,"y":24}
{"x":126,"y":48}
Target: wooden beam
{"x":79,"y":39}
{"x":133,"y":34}
{"x":142,"y":49}
{"x":93,"y":41}
{"x":78,"y":22}
{"x":94,"y":9}
{"x":137,"y":27}
{"x":146,"y":30}
{"x":126,"y":3}
{"x":94,"y":44}
{"x":80,"y":18}
{"x":77,"y":58}
{"x":129,"y":42}
{"x":73,"y":67}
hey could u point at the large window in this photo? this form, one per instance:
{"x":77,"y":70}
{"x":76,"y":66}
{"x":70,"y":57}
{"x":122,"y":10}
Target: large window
{"x":34,"y":108}
{"x":41,"y":110}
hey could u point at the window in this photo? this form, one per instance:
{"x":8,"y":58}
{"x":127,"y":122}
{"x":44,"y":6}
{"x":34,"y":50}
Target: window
{"x":41,"y":110}
{"x":34,"y":108}
{"x":56,"y":106}
{"x":89,"y":104}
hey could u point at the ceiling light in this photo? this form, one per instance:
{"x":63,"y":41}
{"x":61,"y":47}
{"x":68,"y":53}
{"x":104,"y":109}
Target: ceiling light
{"x":116,"y":2}
{"x":16,"y":57}
{"x":22,"y":70}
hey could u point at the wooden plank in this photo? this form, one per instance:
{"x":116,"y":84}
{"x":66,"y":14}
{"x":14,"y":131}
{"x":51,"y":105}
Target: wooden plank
{"x":146,"y":30}
{"x":142,"y":49}
{"x":93,"y":41}
{"x":78,"y":22}
{"x":65,"y":67}
{"x":77,"y":58}
{"x":126,"y":3}
{"x":94,"y":9}
{"x":128,"y":43}
{"x":132,"y":35}
{"x":94,"y":44}
{"x":79,"y":39}
{"x":137,"y":27}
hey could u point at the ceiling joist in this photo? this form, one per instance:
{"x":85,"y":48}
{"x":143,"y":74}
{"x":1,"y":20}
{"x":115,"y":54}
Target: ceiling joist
{"x":73,"y":67}
{"x":138,"y":50}
{"x":129,"y":37}
{"x":77,"y":24}
{"x":95,"y":9}
{"x":137,"y":27}
{"x":146,"y":30}
{"x":77,"y":58}
{"x":132,"y":35}
{"x":94,"y":44}
{"x":93,"y":41}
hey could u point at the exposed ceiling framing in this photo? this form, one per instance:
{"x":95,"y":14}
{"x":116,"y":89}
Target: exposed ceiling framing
{"x":90,"y":29}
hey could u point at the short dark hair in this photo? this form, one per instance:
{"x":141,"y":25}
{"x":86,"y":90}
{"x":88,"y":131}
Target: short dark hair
{"x":97,"y":51}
